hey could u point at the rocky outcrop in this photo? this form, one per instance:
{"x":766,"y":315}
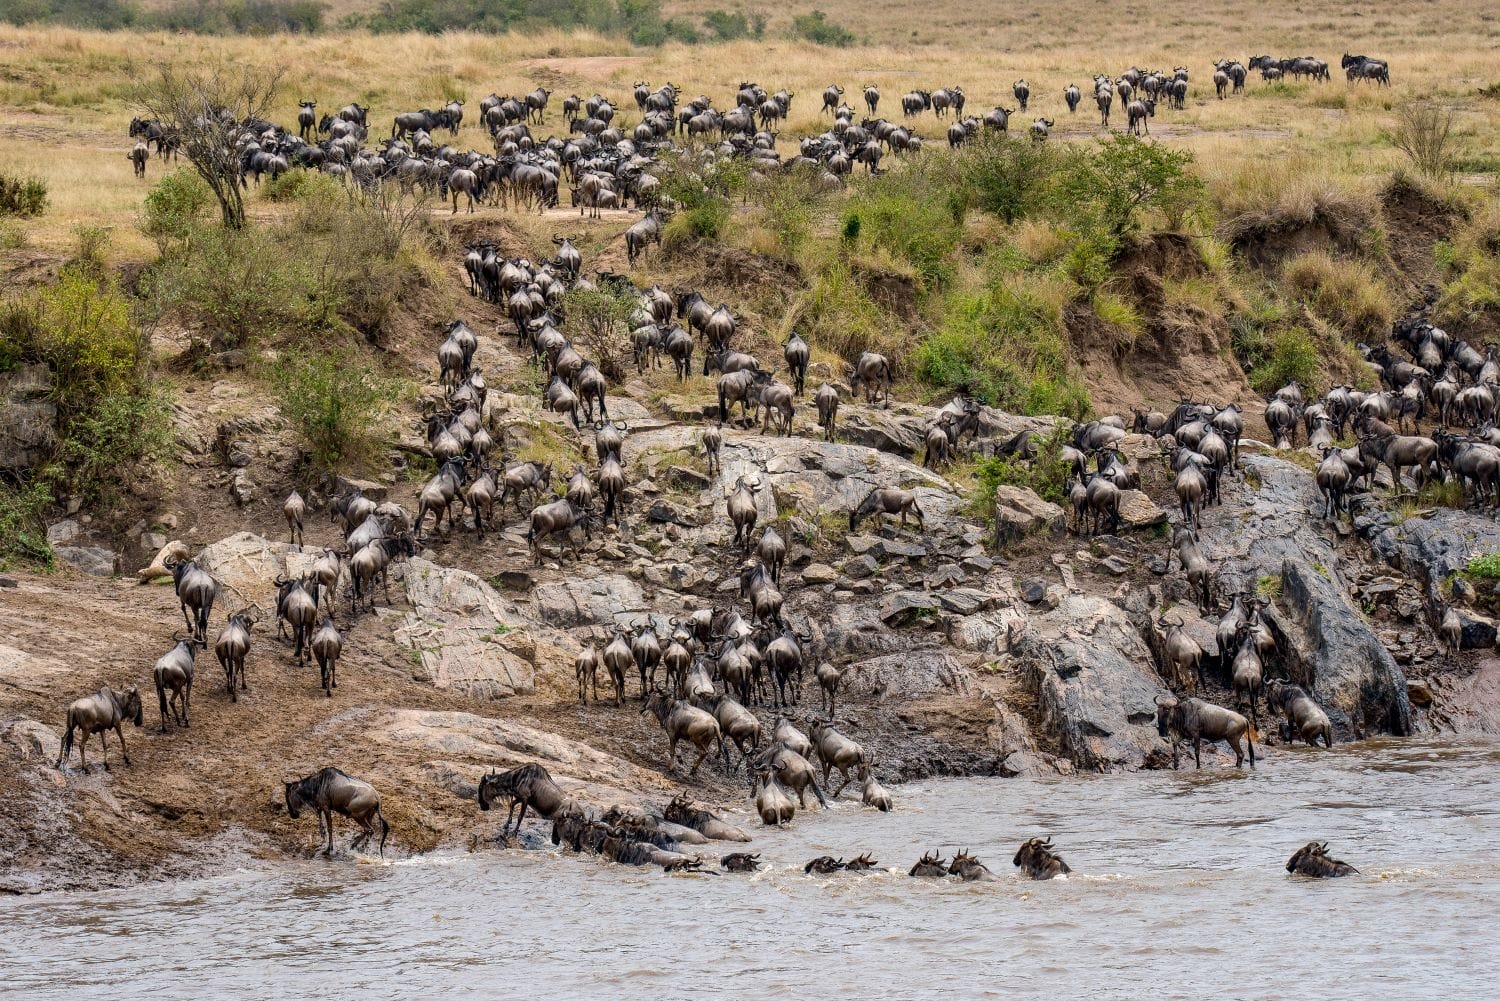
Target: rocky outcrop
{"x":28,"y":418}
{"x":464,"y":635}
{"x":455,"y":740}
{"x":1088,"y":670}
{"x":1263,"y":538}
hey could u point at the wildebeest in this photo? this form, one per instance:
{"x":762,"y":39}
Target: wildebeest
{"x":1198,"y":720}
{"x":740,"y":506}
{"x":682,"y":721}
{"x":930,"y":866}
{"x":528,"y":787}
{"x":826,"y":399}
{"x":640,"y":234}
{"x":740,"y":862}
{"x":1036,"y":859}
{"x":1305,"y":718}
{"x":887,"y":501}
{"x":560,"y":516}
{"x":327,"y":645}
{"x":1312,"y":860}
{"x":332,"y":791}
{"x":195,"y":590}
{"x":873,"y":372}
{"x":173,"y":672}
{"x":968,"y":868}
{"x":100,"y":713}
{"x":232,"y":646}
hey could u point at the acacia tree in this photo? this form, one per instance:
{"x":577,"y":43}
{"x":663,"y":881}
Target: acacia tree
{"x":206,"y":111}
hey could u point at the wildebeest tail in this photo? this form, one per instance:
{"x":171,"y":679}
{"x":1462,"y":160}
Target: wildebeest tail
{"x":67,"y":742}
{"x":385,"y":829}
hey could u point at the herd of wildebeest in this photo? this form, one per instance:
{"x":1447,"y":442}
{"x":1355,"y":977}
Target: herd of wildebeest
{"x":611,"y":166}
{"x":718,"y":663}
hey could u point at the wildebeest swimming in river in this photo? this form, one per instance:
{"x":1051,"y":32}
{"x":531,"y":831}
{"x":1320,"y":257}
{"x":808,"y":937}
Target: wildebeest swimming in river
{"x":527,"y":786}
{"x":1037,"y":860}
{"x":1312,"y":860}
{"x":331,"y":791}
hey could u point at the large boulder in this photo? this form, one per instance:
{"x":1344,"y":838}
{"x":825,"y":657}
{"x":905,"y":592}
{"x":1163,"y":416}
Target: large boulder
{"x":1266,"y":530}
{"x":463,"y":633}
{"x":592,"y":601}
{"x":1088,"y":670}
{"x":1019,"y":512}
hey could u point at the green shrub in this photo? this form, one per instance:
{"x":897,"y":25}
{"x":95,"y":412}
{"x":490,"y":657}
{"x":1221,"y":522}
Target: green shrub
{"x":174,"y":207}
{"x":1008,"y":342}
{"x":916,"y":215}
{"x":1047,"y":475}
{"x":1007,"y":175}
{"x":130,"y":425}
{"x":1109,"y":186}
{"x":1285,"y":355}
{"x":1486,"y":567}
{"x":100,"y":15}
{"x":333,"y":264}
{"x":790,"y":202}
{"x":23,"y":197}
{"x":816,"y":28}
{"x":726,"y":27}
{"x":82,"y":328}
{"x":841,"y":316}
{"x":23,"y":523}
{"x":1471,"y":269}
{"x":112,"y":422}
{"x":337,"y":403}
{"x":299,"y":185}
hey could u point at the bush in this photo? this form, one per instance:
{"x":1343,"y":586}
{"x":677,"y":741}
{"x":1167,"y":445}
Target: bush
{"x":1346,"y":293}
{"x":916,"y":215}
{"x":1471,"y":269}
{"x":99,"y":15}
{"x":599,"y":320}
{"x":1424,"y":132}
{"x":111,"y":422}
{"x":238,"y":17}
{"x":841,"y":316}
{"x":727,"y":27}
{"x":22,"y":197}
{"x":816,"y":28}
{"x":1008,"y":342}
{"x":82,"y":329}
{"x":333,"y":264}
{"x":1486,"y":567}
{"x":1008,"y":176}
{"x":1109,"y":186}
{"x":174,"y":207}
{"x":1047,"y":475}
{"x":336,"y":403}
{"x":789,"y":204}
{"x":638,"y":20}
{"x":23,"y":523}
{"x":1282,"y":356}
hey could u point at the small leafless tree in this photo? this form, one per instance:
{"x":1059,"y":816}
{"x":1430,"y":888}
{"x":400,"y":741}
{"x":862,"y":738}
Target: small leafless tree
{"x":204,"y":111}
{"x":1424,"y":132}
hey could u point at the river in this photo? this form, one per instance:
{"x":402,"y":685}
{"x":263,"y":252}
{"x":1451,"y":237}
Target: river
{"x":1179,"y":891}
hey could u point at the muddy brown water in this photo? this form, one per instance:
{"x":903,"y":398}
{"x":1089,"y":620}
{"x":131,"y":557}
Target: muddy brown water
{"x":1179,"y":891}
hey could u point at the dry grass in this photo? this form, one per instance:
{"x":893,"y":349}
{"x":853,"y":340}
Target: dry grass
{"x":65,"y":96}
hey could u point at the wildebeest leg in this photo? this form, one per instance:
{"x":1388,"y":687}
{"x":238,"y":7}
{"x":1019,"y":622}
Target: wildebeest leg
{"x":724,"y":751}
{"x":505,"y":831}
{"x":327,"y":818}
{"x":845,"y":773}
{"x":118,"y":733}
{"x":702,"y":753}
{"x":192,"y":626}
{"x":83,"y":753}
{"x":1197,"y":760}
